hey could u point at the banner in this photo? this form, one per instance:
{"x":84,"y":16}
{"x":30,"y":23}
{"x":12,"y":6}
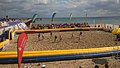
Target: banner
{"x":70,"y":16}
{"x":53,"y":16}
{"x":34,"y":18}
{"x":20,"y":46}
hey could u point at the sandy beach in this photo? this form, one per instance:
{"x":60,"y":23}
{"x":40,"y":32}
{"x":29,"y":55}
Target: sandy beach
{"x":89,"y":39}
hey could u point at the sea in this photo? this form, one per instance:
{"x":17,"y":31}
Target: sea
{"x":89,"y":20}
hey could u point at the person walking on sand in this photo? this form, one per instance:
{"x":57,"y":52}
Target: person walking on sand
{"x":55,"y":39}
{"x":43,"y":36}
{"x":51,"y":34}
{"x":72,"y":35}
{"x":39,"y":37}
{"x":60,"y":37}
{"x":80,"y":34}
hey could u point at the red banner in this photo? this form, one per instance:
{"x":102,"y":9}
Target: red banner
{"x":20,"y":46}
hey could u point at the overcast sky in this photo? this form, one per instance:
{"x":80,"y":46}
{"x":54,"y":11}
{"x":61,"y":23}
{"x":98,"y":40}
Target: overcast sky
{"x":63,"y":8}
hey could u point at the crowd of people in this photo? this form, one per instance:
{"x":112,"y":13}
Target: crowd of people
{"x":66,"y":25}
{"x":5,"y":21}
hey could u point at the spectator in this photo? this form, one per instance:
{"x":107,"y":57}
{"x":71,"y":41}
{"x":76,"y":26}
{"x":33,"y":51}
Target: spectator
{"x":0,"y":39}
{"x":98,"y":25}
{"x":0,"y":24}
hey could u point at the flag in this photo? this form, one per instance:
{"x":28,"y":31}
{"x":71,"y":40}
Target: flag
{"x":20,"y":46}
{"x":70,"y":16}
{"x":53,"y":16}
{"x":34,"y":18}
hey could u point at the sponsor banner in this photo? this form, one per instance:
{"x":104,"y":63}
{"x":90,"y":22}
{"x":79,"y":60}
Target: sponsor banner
{"x":20,"y":46}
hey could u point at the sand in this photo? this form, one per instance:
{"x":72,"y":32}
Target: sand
{"x":85,"y":63}
{"x":89,"y":39}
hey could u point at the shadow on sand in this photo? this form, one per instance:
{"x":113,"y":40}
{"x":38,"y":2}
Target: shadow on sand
{"x":100,"y":61}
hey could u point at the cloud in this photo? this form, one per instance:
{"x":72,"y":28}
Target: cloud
{"x":45,"y":8}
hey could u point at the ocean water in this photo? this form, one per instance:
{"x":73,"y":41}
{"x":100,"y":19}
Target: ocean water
{"x":90,"y":20}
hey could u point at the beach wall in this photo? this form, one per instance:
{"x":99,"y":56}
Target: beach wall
{"x":108,"y":26}
{"x":6,"y":28}
{"x":13,"y":26}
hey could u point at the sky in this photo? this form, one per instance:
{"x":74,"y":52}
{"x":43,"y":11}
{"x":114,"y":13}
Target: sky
{"x":62,"y":8}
